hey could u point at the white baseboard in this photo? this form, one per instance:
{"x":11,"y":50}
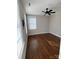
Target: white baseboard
{"x":44,"y":33}
{"x":56,"y":35}
{"x":38,"y":33}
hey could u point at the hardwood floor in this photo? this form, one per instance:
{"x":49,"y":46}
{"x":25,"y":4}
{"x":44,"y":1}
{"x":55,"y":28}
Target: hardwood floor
{"x":43,"y":46}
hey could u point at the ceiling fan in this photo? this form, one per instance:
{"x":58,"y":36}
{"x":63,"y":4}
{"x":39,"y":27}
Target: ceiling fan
{"x":48,"y":12}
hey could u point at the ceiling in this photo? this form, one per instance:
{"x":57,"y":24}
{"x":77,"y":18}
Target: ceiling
{"x":37,"y":6}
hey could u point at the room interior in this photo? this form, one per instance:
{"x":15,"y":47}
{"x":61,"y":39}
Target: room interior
{"x":39,"y":29}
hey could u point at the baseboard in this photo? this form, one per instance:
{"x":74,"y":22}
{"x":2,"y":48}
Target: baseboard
{"x":45,"y":33}
{"x":37,"y":33}
{"x":56,"y":35}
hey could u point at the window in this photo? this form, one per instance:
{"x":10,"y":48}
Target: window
{"x":31,"y":22}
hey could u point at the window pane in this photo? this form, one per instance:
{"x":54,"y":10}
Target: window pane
{"x":32,"y":22}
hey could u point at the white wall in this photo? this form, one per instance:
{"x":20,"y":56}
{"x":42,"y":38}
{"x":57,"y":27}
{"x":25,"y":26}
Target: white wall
{"x":55,"y":23}
{"x":42,"y":25}
{"x":21,"y":32}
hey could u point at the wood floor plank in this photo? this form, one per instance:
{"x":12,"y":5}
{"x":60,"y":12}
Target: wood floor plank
{"x":43,"y":46}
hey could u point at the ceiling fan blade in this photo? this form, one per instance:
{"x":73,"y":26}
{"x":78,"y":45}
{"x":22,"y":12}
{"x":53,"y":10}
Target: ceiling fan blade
{"x":49,"y":14}
{"x":52,"y":12}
